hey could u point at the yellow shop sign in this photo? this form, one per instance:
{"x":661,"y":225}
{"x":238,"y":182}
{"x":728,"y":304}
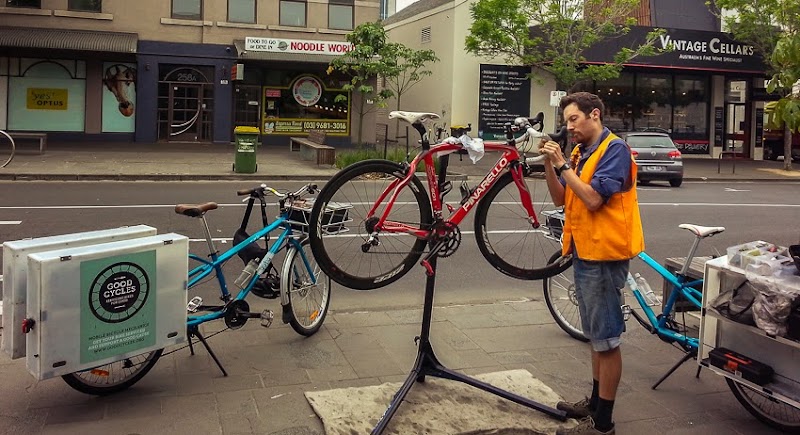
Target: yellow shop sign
{"x":47,"y":99}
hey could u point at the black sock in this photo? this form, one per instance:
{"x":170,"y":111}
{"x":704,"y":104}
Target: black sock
{"x":602,"y":416}
{"x":595,"y":395}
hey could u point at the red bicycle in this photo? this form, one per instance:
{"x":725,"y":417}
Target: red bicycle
{"x":372,"y":220}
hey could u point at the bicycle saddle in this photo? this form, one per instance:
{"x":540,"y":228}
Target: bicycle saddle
{"x":195,"y":210}
{"x":412,"y":117}
{"x":701,"y":230}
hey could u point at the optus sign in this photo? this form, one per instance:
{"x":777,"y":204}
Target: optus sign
{"x":297,"y":46}
{"x":47,"y":99}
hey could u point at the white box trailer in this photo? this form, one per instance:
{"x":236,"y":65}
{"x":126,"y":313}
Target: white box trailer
{"x":15,"y":274}
{"x":98,"y":304}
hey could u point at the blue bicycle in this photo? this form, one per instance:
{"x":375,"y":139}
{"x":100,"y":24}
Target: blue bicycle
{"x":303,"y":289}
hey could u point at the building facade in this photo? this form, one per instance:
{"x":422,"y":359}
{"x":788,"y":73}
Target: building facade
{"x":708,"y":92}
{"x":176,"y":70}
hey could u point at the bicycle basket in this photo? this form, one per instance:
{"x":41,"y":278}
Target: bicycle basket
{"x":333,"y":219}
{"x":554,"y":220}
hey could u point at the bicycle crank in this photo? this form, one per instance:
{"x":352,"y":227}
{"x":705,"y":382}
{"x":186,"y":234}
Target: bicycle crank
{"x":237,"y":313}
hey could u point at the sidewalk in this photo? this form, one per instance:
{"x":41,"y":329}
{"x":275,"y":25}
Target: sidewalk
{"x":175,"y":162}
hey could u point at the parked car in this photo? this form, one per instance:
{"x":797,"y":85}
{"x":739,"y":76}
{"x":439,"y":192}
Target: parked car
{"x":656,"y":156}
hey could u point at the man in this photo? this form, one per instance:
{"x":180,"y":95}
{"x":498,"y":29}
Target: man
{"x":603,"y":230}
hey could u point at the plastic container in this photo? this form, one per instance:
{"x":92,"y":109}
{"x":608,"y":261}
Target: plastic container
{"x":647,"y":292}
{"x":247,"y":139}
{"x":737,"y":254}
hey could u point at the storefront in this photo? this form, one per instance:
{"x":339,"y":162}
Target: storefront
{"x":703,"y":92}
{"x":185,"y":92}
{"x":285,"y":89}
{"x":73,"y":85}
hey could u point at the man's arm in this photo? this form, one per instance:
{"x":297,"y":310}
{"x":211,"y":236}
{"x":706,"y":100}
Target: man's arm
{"x":553,"y":184}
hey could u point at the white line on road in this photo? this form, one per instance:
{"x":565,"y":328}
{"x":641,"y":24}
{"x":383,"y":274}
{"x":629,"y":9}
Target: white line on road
{"x":10,"y":222}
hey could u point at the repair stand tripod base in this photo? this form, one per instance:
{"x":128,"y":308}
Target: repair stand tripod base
{"x":428,"y":365}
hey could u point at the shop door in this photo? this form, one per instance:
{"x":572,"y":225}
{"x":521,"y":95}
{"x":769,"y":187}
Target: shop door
{"x":246,"y":106}
{"x":737,"y":131}
{"x":185,"y":108}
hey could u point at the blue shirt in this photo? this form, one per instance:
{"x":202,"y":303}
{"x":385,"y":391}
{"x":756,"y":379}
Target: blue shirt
{"x":613,"y":170}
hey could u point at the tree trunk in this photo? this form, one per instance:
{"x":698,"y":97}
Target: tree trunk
{"x":361,"y":113}
{"x":397,"y":121}
{"x":787,"y":148}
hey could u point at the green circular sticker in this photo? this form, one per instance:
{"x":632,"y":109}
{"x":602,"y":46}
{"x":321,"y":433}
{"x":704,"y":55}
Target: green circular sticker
{"x":118,"y":292}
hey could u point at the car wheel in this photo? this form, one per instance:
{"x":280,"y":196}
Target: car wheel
{"x":676,"y":182}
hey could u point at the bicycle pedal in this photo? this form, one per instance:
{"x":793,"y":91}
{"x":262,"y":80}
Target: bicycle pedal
{"x":194,"y":304}
{"x":267,"y":316}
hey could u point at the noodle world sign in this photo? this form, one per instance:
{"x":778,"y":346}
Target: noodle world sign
{"x":277,"y":45}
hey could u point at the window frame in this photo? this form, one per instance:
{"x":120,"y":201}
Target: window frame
{"x":351,"y":5}
{"x":305,"y":12}
{"x":172,"y":11}
{"x":255,"y":13}
{"x":70,"y":7}
{"x":9,"y":5}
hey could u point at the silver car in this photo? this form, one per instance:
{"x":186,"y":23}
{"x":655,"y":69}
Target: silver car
{"x":656,"y":156}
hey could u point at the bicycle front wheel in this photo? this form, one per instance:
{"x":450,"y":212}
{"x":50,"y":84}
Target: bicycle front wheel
{"x":308,"y":291}
{"x":7,"y":149}
{"x":113,"y":377}
{"x":343,"y":248}
{"x":772,"y":412}
{"x":505,"y":235}
{"x":559,"y":295}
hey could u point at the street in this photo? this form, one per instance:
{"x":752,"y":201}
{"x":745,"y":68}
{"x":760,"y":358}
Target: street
{"x":749,"y":211}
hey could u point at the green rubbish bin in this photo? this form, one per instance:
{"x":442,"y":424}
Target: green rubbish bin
{"x":246,"y":143}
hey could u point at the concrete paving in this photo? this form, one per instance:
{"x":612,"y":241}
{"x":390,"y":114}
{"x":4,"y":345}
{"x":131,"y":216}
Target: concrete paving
{"x":270,"y":369}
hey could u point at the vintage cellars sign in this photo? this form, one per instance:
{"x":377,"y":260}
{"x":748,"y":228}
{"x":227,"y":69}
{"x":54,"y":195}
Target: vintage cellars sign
{"x":505,"y":93}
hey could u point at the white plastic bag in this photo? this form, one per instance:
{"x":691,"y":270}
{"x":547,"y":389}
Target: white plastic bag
{"x":474,"y":147}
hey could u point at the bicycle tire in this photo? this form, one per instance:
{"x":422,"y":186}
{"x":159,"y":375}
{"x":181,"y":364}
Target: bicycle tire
{"x":526,"y":247}
{"x":295,"y":280}
{"x":559,"y":295}
{"x":761,"y":408}
{"x":95,"y":381}
{"x":3,"y":160}
{"x":338,"y":248}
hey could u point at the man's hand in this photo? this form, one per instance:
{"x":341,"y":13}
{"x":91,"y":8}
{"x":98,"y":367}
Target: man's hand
{"x":552,"y":152}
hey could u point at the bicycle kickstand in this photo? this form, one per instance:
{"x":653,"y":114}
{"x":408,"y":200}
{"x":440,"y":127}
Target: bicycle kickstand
{"x":194,"y":331}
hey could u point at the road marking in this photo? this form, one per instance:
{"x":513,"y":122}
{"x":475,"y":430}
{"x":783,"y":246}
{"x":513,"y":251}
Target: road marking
{"x":10,"y":222}
{"x":730,"y":189}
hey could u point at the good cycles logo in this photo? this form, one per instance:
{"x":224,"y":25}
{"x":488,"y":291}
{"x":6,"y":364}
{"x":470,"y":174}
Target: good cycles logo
{"x":119,"y":292}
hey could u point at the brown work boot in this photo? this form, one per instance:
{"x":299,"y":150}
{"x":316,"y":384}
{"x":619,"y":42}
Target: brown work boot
{"x":584,"y":427}
{"x":579,"y":409}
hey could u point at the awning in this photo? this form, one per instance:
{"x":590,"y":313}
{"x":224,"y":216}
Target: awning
{"x":59,"y":39}
{"x":283,"y":57}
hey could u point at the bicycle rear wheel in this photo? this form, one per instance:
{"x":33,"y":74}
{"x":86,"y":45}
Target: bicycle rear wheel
{"x":772,"y":412}
{"x":7,"y":149}
{"x":505,"y":236}
{"x":342,"y":249}
{"x":113,"y":377}
{"x":308,"y":301}
{"x":559,"y":295}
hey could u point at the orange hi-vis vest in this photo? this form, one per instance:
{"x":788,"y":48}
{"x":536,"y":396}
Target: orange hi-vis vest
{"x":614,"y":231}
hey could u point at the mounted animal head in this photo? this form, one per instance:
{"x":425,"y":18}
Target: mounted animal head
{"x":118,"y":78}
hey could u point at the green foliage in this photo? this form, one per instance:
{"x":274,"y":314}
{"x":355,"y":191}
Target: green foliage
{"x":347,"y":158}
{"x":501,"y":28}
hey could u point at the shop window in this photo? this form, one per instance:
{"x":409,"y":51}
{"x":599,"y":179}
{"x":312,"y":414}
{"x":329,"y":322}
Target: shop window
{"x":340,"y":15}
{"x":653,"y":107}
{"x":47,"y":96}
{"x":690,"y":114}
{"x":24,"y":3}
{"x":293,"y":13}
{"x":294,"y":104}
{"x":242,"y":11}
{"x":187,"y":9}
{"x":86,"y":5}
{"x":616,"y":96}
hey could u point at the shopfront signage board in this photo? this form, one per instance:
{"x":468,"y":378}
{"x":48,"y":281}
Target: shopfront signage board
{"x":101,"y":303}
{"x":504,"y":95}
{"x":301,"y":46}
{"x":15,"y":274}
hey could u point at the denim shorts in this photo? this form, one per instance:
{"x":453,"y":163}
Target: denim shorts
{"x":597,"y":288}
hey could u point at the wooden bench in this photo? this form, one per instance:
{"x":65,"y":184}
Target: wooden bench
{"x":40,"y":137}
{"x":313,"y":148}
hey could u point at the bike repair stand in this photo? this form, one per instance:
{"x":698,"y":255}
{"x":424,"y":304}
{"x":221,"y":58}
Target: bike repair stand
{"x":194,"y":331}
{"x":428,"y":365}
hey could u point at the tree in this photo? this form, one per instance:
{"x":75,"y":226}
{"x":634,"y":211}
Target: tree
{"x":363,"y":64}
{"x":772,"y":27}
{"x":566,"y":29}
{"x":406,"y":68}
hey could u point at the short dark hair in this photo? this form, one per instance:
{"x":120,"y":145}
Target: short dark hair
{"x":585,"y":101}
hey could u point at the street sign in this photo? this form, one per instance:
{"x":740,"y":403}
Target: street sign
{"x":555,"y":97}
